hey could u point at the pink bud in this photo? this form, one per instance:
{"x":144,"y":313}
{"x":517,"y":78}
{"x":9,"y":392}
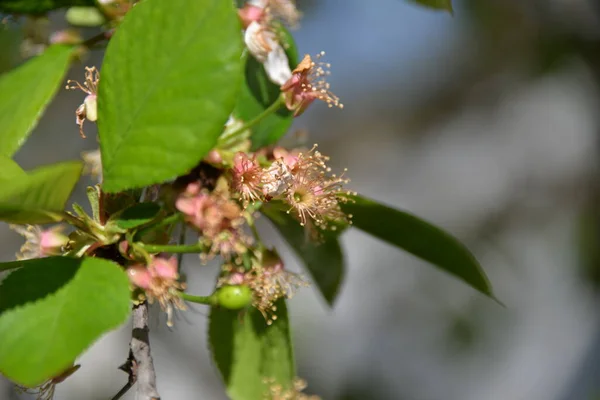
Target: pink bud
{"x":52,"y":240}
{"x":139,"y":276}
{"x":250,"y":13}
{"x":186,"y":205}
{"x":193,"y":188}
{"x":214,"y":157}
{"x":165,"y":269}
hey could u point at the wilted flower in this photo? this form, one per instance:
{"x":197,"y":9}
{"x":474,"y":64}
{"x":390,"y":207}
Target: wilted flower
{"x":308,"y":84}
{"x":159,"y":280}
{"x":40,"y":243}
{"x":92,"y":163}
{"x":277,"y":178}
{"x":218,"y":219}
{"x":284,"y":10}
{"x":266,"y":11}
{"x":264,"y":44}
{"x":313,"y":193}
{"x":270,"y":282}
{"x":89,"y":108}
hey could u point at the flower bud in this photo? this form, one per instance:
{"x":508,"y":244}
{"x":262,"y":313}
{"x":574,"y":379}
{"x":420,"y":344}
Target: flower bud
{"x":164,"y":268}
{"x":139,"y":276}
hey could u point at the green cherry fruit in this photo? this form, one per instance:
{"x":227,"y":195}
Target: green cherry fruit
{"x":234,"y":297}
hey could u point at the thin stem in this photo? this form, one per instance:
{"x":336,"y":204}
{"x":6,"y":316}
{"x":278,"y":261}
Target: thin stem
{"x":268,"y":111}
{"x":206,"y":300}
{"x":180,"y":242}
{"x":174,"y":248}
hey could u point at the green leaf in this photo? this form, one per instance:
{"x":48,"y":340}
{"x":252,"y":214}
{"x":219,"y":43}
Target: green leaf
{"x":324,"y":260}
{"x":136,"y":215}
{"x":258,"y":93}
{"x":247,"y":351}
{"x":52,"y":309}
{"x":445,"y":5}
{"x":162,"y":104}
{"x":26,"y":91}
{"x":419,"y":238}
{"x":40,"y":196}
{"x":10,"y":169}
{"x":39,"y":6}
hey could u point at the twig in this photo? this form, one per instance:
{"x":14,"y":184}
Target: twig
{"x":140,"y":350}
{"x":129,"y":367}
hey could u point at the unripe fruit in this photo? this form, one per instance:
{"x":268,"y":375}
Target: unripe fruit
{"x":234,"y":297}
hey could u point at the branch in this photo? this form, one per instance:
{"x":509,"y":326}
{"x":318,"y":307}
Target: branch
{"x":140,"y":350}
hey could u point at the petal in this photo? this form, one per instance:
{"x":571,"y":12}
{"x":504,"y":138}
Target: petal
{"x":277,"y":66}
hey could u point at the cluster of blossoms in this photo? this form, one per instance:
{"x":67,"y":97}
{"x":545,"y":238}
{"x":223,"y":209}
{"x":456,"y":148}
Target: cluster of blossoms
{"x":268,"y":281}
{"x":160,"y":282}
{"x":301,"y":180}
{"x":217,"y":218}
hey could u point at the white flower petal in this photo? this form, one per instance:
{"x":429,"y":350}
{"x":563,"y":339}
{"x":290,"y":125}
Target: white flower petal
{"x":277,"y":66}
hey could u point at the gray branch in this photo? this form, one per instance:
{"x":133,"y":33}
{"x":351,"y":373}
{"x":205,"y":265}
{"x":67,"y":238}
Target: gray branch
{"x":140,"y":350}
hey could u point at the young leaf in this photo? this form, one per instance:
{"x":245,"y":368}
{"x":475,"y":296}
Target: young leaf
{"x":445,"y":5}
{"x":258,"y":93}
{"x":248,"y":352}
{"x":39,"y":196}
{"x":324,"y":260}
{"x":26,"y":91}
{"x":39,"y":6}
{"x":52,"y":309}
{"x":162,"y":104}
{"x":419,"y":238}
{"x":10,"y":169}
{"x":136,"y":215}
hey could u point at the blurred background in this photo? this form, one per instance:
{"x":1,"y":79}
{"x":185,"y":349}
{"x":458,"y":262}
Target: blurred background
{"x":485,"y":123}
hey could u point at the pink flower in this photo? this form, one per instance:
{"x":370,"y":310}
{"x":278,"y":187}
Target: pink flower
{"x":250,"y":13}
{"x":40,"y":243}
{"x":246,"y":178}
{"x":308,"y":84}
{"x":164,"y":268}
{"x":159,"y":280}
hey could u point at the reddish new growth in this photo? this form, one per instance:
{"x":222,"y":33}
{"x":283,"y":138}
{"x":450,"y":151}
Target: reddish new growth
{"x":88,"y":109}
{"x":217,"y":218}
{"x":159,"y":280}
{"x":308,"y":84}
